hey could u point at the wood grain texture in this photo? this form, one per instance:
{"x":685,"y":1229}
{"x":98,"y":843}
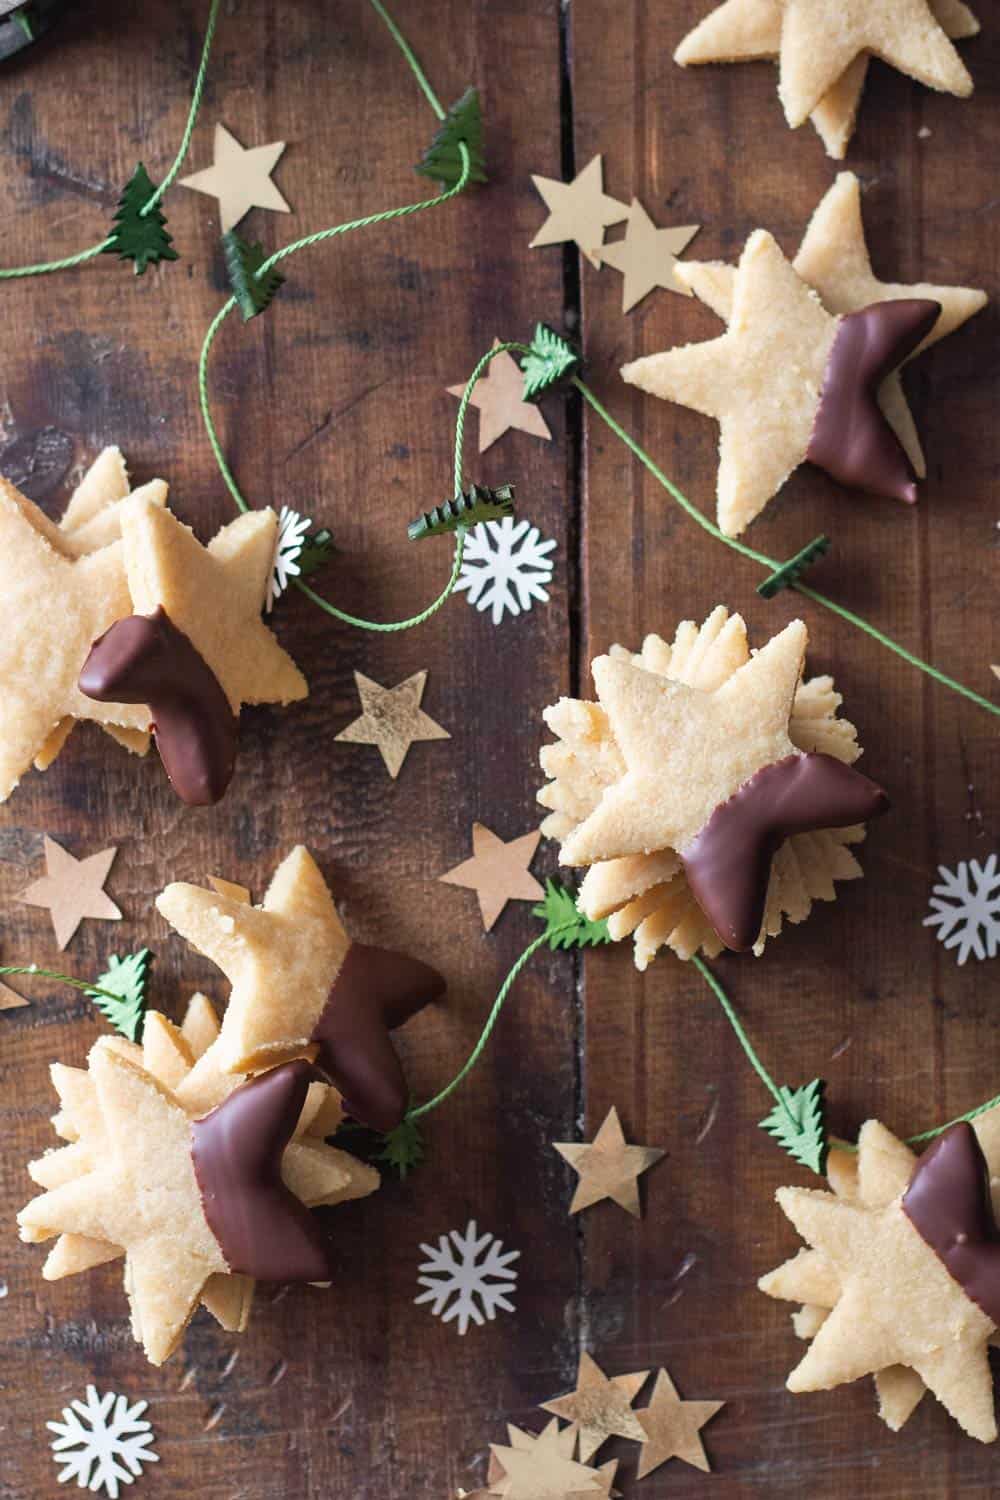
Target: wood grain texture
{"x":335,"y":403}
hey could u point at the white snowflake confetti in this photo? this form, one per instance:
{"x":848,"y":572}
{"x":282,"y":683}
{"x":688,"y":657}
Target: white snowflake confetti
{"x":288,"y":546}
{"x":965,"y":908}
{"x":465,"y":1278}
{"x":505,"y":566}
{"x":102,"y":1442}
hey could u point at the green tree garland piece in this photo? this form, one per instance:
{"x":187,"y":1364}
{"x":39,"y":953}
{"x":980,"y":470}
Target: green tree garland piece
{"x":785,"y":576}
{"x":565,"y":925}
{"x":253,"y":292}
{"x":120,"y":993}
{"x":442,"y":160}
{"x":468,"y":509}
{"x":135,"y":235}
{"x":403,"y":1148}
{"x":798,"y":1123}
{"x":317,"y":549}
{"x":550,"y":360}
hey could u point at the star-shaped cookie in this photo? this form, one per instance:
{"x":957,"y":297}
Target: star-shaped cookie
{"x":240,"y":177}
{"x":57,"y":604}
{"x":301,"y":986}
{"x":819,"y":42}
{"x":392,"y":719}
{"x":579,"y":210}
{"x":672,"y":1428}
{"x":647,"y":256}
{"x":785,"y":381}
{"x":601,"y":1406}
{"x":499,"y":400}
{"x":498,"y":872}
{"x":833,"y":259}
{"x":608,"y":1167}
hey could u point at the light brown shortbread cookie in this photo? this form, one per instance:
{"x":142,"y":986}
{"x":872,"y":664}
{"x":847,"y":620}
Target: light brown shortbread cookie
{"x":635,"y":880}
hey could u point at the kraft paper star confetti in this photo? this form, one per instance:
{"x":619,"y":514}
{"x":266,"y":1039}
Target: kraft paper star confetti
{"x":579,"y":210}
{"x":10,"y":1000}
{"x":240,"y":178}
{"x":499,"y":400}
{"x":542,"y":1467}
{"x":73,"y":889}
{"x":833,"y":258}
{"x":497,"y":872}
{"x":672,"y":1428}
{"x":608,"y":1167}
{"x":392,"y":719}
{"x":601,"y":1407}
{"x":647,"y":256}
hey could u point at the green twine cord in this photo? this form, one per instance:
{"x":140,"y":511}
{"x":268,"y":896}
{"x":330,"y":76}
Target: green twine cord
{"x":69,"y":261}
{"x":771,"y":564}
{"x":78,"y":984}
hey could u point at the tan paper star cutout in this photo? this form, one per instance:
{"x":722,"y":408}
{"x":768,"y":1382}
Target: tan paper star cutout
{"x":392,"y":719}
{"x":497,"y":872}
{"x":499,"y":400}
{"x":542,"y":1467}
{"x":579,"y":210}
{"x":240,"y":178}
{"x":600,"y":1406}
{"x":647,"y":256}
{"x":10,"y":999}
{"x":833,"y":258}
{"x":608,"y":1167}
{"x":73,"y":889}
{"x":819,"y":43}
{"x":673,"y":1428}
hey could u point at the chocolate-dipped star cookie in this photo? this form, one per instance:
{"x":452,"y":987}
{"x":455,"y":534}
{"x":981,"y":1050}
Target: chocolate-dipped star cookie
{"x":196,"y":648}
{"x":300,"y":985}
{"x":833,"y":258}
{"x":789,"y":383}
{"x":185,"y":1200}
{"x":692,"y":790}
{"x":919,"y":1281}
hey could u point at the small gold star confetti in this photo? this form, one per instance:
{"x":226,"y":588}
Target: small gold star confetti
{"x":673,"y":1428}
{"x":392,"y":719}
{"x":499,"y":400}
{"x":497,"y":872}
{"x":608,"y":1167}
{"x":601,"y":1407}
{"x":240,"y":178}
{"x":647,"y":256}
{"x":73,"y":889}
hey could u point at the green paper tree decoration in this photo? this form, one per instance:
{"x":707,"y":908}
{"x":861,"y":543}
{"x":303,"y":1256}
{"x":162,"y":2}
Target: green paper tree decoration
{"x":469,"y":509}
{"x":136,"y":236}
{"x":785,"y":576}
{"x":551,"y":360}
{"x":317,"y":549}
{"x":443,"y":160}
{"x":126,"y":978}
{"x":565,"y":924}
{"x":243,"y":261}
{"x":403,"y":1148}
{"x":798,"y":1124}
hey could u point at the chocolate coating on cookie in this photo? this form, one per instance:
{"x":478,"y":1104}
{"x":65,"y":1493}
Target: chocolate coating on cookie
{"x":851,"y":438}
{"x":728,"y":862}
{"x":948,"y":1202}
{"x":146,"y":659}
{"x":374,"y":992}
{"x":262,"y":1229}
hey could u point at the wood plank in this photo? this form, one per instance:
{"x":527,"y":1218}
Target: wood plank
{"x":335,"y":404}
{"x":860,"y":993}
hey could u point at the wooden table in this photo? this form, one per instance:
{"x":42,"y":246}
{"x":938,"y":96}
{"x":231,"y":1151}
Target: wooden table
{"x":335,"y":403}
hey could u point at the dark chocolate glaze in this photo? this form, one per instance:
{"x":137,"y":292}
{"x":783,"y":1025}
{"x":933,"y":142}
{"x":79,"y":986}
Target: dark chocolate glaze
{"x":851,"y":438}
{"x":146,"y":659}
{"x":263,"y":1230}
{"x":728,"y":862}
{"x":374,"y":992}
{"x":948,"y":1203}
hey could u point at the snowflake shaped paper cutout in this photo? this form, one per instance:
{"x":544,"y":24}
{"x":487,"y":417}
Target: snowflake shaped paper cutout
{"x":505,"y":567}
{"x":463,"y":1286}
{"x":965,"y":908}
{"x":291,"y":538}
{"x":102,"y":1442}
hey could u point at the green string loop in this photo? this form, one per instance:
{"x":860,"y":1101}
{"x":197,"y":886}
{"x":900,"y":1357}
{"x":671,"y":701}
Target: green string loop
{"x":68,"y":262}
{"x":77,"y":984}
